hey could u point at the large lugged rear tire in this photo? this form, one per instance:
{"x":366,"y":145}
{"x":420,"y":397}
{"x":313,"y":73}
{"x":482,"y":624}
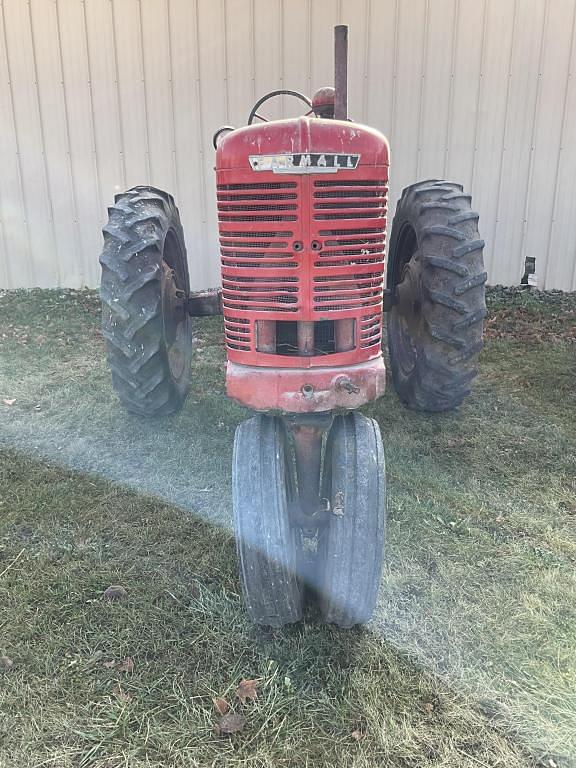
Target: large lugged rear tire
{"x":266,"y":541}
{"x":351,"y":546}
{"x":436,"y":273}
{"x":144,"y":291}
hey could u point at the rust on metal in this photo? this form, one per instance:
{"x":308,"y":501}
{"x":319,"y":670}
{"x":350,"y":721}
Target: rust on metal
{"x":344,"y":334}
{"x":313,"y":390}
{"x":305,"y":330}
{"x":308,"y":452}
{"x":266,"y":336}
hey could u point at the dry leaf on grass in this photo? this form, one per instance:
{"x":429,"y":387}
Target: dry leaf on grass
{"x":6,"y":662}
{"x":115,"y":592}
{"x":247,"y":690}
{"x":221,"y":705}
{"x":126,"y":665}
{"x":122,"y":695}
{"x":9,"y":400}
{"x":230,"y":724}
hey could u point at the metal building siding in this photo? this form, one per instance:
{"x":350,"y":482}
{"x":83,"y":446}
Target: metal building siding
{"x":99,"y":95}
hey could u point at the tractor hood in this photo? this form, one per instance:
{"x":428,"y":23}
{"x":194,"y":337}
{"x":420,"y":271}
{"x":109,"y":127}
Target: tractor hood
{"x":303,"y":145}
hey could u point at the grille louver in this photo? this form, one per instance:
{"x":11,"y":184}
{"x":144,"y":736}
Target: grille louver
{"x":353,"y":248}
{"x":251,"y":260}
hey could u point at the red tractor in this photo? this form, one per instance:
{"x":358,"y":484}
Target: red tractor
{"x":302,"y":222}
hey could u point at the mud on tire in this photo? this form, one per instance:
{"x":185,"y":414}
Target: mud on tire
{"x":436,"y":272}
{"x":144,"y":290}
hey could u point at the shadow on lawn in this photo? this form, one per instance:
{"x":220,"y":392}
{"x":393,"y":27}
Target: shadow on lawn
{"x":325,"y":697}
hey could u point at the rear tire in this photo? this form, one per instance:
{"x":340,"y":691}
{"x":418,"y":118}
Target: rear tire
{"x":144,"y":290}
{"x":436,"y":273}
{"x":351,"y":546}
{"x":266,"y":541}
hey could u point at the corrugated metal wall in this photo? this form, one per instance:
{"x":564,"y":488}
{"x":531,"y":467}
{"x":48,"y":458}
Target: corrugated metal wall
{"x":98,"y":95}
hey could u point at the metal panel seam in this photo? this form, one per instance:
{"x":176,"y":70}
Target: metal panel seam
{"x":47,"y":186}
{"x":175,"y":174}
{"x":479,"y":94}
{"x":455,"y":25}
{"x":77,"y":235}
{"x":495,"y":231}
{"x":101,"y":200}
{"x":31,"y":276}
{"x":560,"y":150}
{"x":145,"y":91}
{"x":530,"y":178}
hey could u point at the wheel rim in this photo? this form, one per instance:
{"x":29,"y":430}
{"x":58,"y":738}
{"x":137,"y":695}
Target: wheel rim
{"x":408,"y":316}
{"x":406,"y":319}
{"x":174,"y":316}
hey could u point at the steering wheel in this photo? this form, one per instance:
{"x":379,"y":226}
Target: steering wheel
{"x":271,"y":95}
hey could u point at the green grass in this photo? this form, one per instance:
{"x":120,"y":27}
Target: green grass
{"x":470,"y":661}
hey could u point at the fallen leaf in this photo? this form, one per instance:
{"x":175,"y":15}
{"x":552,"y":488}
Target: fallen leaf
{"x":115,"y":592}
{"x":247,"y":690}
{"x":122,"y":695}
{"x":6,"y":662}
{"x":221,"y":705}
{"x":109,"y":664}
{"x":358,"y":735}
{"x":126,"y":665}
{"x":230,"y":724}
{"x":9,"y":400}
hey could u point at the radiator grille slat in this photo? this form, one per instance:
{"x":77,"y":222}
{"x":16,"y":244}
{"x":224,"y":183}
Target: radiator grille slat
{"x":237,"y":332}
{"x":371,"y":330}
{"x":344,"y":203}
{"x":253,"y":261}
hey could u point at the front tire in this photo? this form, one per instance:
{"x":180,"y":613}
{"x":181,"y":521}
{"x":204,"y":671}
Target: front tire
{"x":266,"y":540}
{"x":144,"y":290}
{"x":351,"y":545}
{"x":436,"y":274}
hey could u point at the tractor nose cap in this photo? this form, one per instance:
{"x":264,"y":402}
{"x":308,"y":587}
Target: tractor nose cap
{"x":323,"y":102}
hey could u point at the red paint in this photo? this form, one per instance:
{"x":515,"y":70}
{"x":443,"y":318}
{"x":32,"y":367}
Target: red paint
{"x":293,"y":390}
{"x":337,"y":273}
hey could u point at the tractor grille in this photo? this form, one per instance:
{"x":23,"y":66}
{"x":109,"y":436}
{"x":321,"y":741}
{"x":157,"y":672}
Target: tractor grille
{"x":237,"y":331}
{"x":371,"y":330}
{"x":350,"y":221}
{"x":259,"y":270}
{"x":300,"y":250}
{"x":346,"y":291}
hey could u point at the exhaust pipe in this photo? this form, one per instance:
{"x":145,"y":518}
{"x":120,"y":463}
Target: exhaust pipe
{"x":341,"y":72}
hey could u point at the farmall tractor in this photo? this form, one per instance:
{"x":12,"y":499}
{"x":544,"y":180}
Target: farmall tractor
{"x":302,"y":223}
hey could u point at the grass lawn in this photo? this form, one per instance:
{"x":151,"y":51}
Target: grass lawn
{"x":470,"y":661}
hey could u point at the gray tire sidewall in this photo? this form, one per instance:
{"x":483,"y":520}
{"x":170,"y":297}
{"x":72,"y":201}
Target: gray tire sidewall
{"x":351,"y":547}
{"x":266,"y":542}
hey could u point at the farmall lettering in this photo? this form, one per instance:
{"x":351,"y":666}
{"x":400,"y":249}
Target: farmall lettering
{"x":310,"y":162}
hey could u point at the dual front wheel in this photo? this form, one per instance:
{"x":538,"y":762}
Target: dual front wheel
{"x":273,"y":550}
